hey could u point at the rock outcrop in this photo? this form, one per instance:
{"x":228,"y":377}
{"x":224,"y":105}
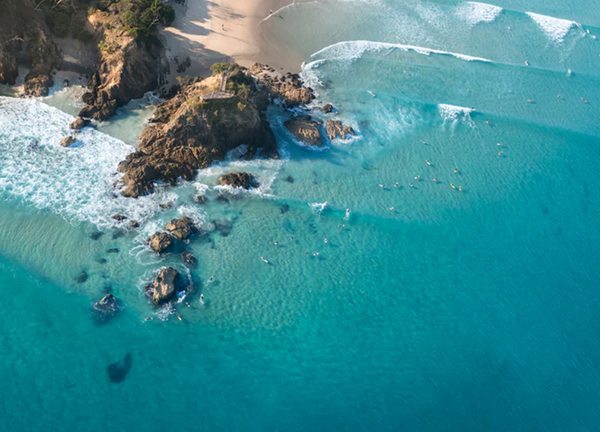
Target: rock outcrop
{"x":196,"y":127}
{"x":160,"y":242}
{"x":305,"y":129}
{"x":287,"y":88}
{"x":239,"y":180}
{"x":68,"y":141}
{"x":164,"y":286}
{"x":181,"y":229}
{"x":127,"y":68}
{"x":335,"y":129}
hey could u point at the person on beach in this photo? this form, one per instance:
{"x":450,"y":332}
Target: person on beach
{"x":223,"y":27}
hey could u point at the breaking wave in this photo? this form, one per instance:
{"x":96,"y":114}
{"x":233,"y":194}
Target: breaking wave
{"x":555,"y":29}
{"x":356,"y":49}
{"x":474,"y":12}
{"x":77,"y":182}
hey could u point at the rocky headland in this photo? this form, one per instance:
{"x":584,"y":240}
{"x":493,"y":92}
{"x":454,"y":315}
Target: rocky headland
{"x":200,"y":124}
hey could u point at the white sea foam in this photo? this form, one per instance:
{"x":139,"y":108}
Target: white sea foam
{"x":76,"y":182}
{"x":454,"y":113}
{"x":356,"y":49}
{"x":556,"y":29}
{"x":474,"y":12}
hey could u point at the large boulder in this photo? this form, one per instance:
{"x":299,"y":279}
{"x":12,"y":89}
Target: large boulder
{"x":38,"y":85}
{"x":68,"y":141}
{"x":305,"y":129}
{"x":181,"y":229}
{"x":239,"y":180}
{"x":335,"y":129}
{"x":160,"y":242}
{"x":163,"y":288}
{"x":79,"y":123}
{"x":288,"y":88}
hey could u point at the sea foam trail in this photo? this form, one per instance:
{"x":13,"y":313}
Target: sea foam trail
{"x":556,"y":29}
{"x":76,"y":182}
{"x":356,"y":49}
{"x":474,"y":13}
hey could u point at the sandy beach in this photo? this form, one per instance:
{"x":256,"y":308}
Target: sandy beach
{"x":219,"y":30}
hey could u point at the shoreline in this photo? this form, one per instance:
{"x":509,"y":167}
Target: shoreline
{"x":217,"y":31}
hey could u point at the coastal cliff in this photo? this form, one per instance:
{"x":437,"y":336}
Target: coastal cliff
{"x":129,"y":64}
{"x":200,"y":124}
{"x":117,"y":38}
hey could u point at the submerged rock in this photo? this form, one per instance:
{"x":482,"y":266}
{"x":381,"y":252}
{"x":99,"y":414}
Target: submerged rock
{"x":239,"y":180}
{"x":96,"y":235}
{"x":83,"y":276}
{"x":285,"y":208}
{"x":38,"y":85}
{"x":163,"y":288}
{"x":113,"y":250}
{"x":305,"y":129}
{"x":160,"y":242}
{"x":118,"y":371}
{"x":135,"y":224}
{"x":105,"y":309}
{"x":68,"y":141}
{"x":335,"y":129}
{"x":289,"y":179}
{"x":189,"y":258}
{"x":181,"y":229}
{"x":200,"y":199}
{"x":119,"y":217}
{"x":102,"y":261}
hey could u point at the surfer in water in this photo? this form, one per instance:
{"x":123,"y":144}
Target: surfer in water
{"x":371,"y":93}
{"x":347,"y":212}
{"x":427,"y":162}
{"x":264,"y":260}
{"x":202,"y":298}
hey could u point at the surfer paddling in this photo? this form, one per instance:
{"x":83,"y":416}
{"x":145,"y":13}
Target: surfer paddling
{"x":264,"y":259}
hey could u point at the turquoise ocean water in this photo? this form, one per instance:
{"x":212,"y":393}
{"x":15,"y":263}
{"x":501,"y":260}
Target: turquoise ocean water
{"x":457,"y":311}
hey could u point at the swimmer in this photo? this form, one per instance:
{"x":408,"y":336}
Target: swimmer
{"x":212,"y":278}
{"x":316,"y":254}
{"x":264,"y":260}
{"x":396,"y":184}
{"x":178,"y":317}
{"x":347,"y":212}
{"x":452,"y":184}
{"x":411,"y":185}
{"x":326,"y":241}
{"x":530,"y":100}
{"x":460,"y":188}
{"x":391,"y":209}
{"x":339,"y":226}
{"x":434,"y":179}
{"x":487,"y":122}
{"x":423,"y":142}
{"x":500,"y":154}
{"x":306,"y":253}
{"x":188,"y":304}
{"x":382,"y":186}
{"x":583,"y":100}
{"x":559,"y":96}
{"x":526,"y":63}
{"x":427,"y":162}
{"x":291,"y":238}
{"x":148,"y":319}
{"x":499,"y":144}
{"x":202,"y":298}
{"x":455,"y":170}
{"x":416,"y":177}
{"x":276,"y":243}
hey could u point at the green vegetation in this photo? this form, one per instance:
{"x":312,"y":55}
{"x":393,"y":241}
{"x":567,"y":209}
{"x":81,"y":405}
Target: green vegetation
{"x":60,"y":24}
{"x":108,"y":48}
{"x":218,"y":68}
